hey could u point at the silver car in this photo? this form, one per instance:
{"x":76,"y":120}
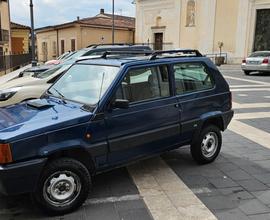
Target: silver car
{"x":257,"y":62}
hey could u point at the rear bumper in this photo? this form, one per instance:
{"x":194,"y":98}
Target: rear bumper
{"x":259,"y":68}
{"x":227,"y":117}
{"x":21,"y":177}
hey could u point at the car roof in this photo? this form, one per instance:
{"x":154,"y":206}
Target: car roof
{"x":136,"y":60}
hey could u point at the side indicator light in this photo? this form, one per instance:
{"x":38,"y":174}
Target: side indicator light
{"x":5,"y":154}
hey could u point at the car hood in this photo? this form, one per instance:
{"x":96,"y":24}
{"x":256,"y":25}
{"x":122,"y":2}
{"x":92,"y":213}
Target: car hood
{"x":11,"y":76}
{"x":22,"y":81}
{"x":24,"y":120}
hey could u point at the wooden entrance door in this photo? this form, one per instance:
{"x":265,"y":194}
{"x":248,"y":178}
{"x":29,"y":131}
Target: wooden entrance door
{"x":158,"y":41}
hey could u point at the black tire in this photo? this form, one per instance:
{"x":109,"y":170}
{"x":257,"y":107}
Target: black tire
{"x":66,"y":176}
{"x":247,"y":73}
{"x":196,"y":148}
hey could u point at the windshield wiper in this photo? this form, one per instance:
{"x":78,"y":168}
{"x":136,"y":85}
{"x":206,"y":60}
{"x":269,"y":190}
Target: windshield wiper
{"x":61,"y":95}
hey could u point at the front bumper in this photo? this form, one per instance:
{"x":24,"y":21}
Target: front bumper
{"x":257,"y":68}
{"x":21,"y":177}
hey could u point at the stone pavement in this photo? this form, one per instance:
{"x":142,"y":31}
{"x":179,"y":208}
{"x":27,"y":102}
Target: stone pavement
{"x":236,"y":186}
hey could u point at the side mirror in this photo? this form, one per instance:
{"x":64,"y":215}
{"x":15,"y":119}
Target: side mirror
{"x":121,"y":103}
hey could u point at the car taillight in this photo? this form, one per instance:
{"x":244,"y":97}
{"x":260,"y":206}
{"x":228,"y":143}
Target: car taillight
{"x":5,"y":154}
{"x":265,"y":61}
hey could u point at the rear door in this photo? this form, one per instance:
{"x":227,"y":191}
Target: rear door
{"x":151,"y":123}
{"x":195,"y":90}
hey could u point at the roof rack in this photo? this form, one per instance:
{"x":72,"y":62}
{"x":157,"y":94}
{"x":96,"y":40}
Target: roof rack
{"x":133,"y":52}
{"x":98,"y":45}
{"x":195,"y":53}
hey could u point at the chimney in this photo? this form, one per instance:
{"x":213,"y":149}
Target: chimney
{"x":78,"y":18}
{"x":102,"y":11}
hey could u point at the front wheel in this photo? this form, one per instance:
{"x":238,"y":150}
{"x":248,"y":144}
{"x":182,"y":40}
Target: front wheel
{"x":63,"y":187}
{"x":206,"y":148}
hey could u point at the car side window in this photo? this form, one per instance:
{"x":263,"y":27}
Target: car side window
{"x":145,"y":84}
{"x":191,"y":77}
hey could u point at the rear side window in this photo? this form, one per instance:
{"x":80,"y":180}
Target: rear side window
{"x":145,"y":84}
{"x":191,"y":77}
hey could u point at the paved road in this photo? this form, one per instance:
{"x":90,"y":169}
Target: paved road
{"x":236,"y":186}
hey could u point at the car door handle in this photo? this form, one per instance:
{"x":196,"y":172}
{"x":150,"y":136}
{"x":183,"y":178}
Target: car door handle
{"x":177,"y":105}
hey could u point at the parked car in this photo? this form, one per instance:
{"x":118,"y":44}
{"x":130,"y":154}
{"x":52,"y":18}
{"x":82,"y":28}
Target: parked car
{"x":60,"y":58}
{"x":104,"y":113}
{"x":99,"y":49}
{"x":257,"y":62}
{"x":29,"y":87}
{"x":12,"y":75}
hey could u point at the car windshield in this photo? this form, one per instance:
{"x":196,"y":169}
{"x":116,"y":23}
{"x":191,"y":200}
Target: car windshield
{"x":260,"y":54}
{"x":58,"y":68}
{"x":84,"y":83}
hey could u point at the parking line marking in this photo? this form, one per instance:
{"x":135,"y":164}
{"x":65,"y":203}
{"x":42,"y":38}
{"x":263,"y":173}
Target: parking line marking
{"x":247,"y":86}
{"x":253,"y":115}
{"x":247,"y":80}
{"x":250,"y":105}
{"x":112,"y":199}
{"x":164,"y":193}
{"x":254,"y":134}
{"x":250,"y":89}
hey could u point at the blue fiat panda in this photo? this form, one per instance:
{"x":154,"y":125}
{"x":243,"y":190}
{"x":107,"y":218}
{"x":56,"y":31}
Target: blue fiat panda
{"x":106,"y":112}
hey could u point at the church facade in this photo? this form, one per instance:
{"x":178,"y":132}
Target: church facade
{"x":237,"y":27}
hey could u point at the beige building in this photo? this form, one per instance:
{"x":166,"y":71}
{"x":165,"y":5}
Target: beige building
{"x":53,"y":41}
{"x":5,"y":45}
{"x":20,"y":35}
{"x":242,"y":26}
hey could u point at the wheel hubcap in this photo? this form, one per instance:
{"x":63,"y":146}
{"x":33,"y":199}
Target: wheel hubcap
{"x":62,"y":188}
{"x":209,"y":144}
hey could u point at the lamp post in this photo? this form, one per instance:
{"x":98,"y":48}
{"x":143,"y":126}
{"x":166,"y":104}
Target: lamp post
{"x":113,"y":25}
{"x":34,"y":63}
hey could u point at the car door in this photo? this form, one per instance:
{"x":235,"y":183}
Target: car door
{"x":195,"y":91}
{"x":151,"y":123}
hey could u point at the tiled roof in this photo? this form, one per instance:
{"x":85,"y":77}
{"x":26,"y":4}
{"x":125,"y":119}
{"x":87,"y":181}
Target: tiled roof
{"x":100,"y":20}
{"x":106,"y":20}
{"x":18,"y":26}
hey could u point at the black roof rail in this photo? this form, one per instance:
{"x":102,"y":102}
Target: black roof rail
{"x":123,"y":52}
{"x":184,"y":51}
{"x":118,"y":44}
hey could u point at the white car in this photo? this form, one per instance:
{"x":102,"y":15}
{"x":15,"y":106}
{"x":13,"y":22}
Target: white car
{"x":29,"y":87}
{"x":12,"y":75}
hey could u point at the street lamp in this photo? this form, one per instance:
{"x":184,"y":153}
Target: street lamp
{"x":34,"y":63}
{"x":113,"y":25}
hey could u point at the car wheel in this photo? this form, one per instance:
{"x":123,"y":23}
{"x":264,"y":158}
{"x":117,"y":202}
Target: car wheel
{"x":63,"y":186}
{"x":206,"y":148}
{"x":247,"y":73}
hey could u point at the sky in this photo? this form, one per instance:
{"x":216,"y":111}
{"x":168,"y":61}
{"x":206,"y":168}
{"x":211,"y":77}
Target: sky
{"x":51,"y":12}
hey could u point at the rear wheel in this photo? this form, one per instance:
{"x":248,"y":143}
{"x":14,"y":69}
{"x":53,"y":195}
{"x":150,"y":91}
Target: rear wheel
{"x":206,"y":148}
{"x":63,"y":187}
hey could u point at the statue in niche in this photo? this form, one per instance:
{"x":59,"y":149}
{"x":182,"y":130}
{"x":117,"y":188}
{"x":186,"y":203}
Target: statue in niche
{"x":191,"y":13}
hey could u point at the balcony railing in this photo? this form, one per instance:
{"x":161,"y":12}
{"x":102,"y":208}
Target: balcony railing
{"x":14,"y":61}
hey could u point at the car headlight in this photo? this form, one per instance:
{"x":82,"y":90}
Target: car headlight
{"x":8,"y":93}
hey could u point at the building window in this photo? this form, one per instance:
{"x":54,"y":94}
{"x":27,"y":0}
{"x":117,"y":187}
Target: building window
{"x":191,"y":13}
{"x":73,"y":44}
{"x":54,"y":48}
{"x":62,"y":46}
